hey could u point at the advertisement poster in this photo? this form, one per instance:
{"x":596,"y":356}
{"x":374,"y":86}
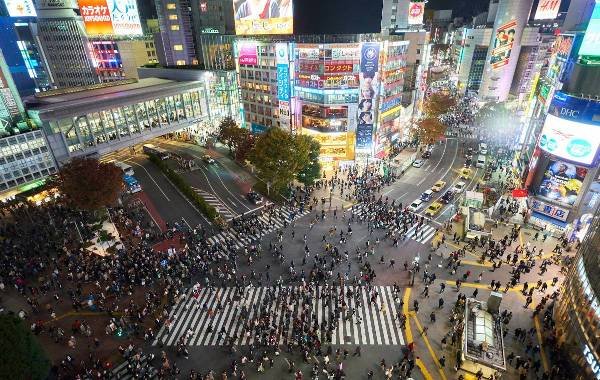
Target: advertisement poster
{"x":570,"y":140}
{"x":591,"y":40}
{"x":20,"y":8}
{"x":552,"y":211}
{"x":248,"y":55}
{"x":562,"y":182}
{"x":256,"y":17}
{"x":503,"y":43}
{"x":111,"y":17}
{"x":547,"y":10}
{"x":416,"y":11}
{"x":369,"y":86}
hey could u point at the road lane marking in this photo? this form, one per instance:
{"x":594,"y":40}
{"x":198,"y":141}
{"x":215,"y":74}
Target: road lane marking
{"x":149,"y":175}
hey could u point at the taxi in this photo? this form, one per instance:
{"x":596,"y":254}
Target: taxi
{"x":465,"y":173}
{"x":438,"y":186}
{"x":433,"y":209}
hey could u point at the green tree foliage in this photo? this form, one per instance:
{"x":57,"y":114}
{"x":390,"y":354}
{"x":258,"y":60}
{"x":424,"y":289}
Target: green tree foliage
{"x":312,"y":171}
{"x":22,"y":356}
{"x":88,"y":184}
{"x":230,"y":134}
{"x":279,"y":156}
{"x":244,"y":145}
{"x":429,"y":130}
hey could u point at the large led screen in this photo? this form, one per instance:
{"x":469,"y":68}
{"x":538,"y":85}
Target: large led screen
{"x":562,"y":182}
{"x":20,"y":8}
{"x":111,"y":17}
{"x":591,"y":39}
{"x":255,"y":17}
{"x":570,"y":140}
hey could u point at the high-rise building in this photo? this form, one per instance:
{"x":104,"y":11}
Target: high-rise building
{"x":65,"y":45}
{"x":213,"y":17}
{"x":11,"y":107}
{"x":175,"y":41}
{"x":472,"y":51}
{"x":394,"y":14}
{"x":107,"y":59}
{"x":502,"y":56}
{"x":135,"y":53}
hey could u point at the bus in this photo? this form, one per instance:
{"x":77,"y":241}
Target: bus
{"x":158,"y":151}
{"x":126,"y":169}
{"x":132,"y":184}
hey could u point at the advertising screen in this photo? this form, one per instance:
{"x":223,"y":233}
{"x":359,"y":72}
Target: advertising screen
{"x":248,"y":55}
{"x":254,"y":17}
{"x":505,"y":36}
{"x":416,"y":11}
{"x":578,"y":109}
{"x":562,"y":182}
{"x":111,"y":17}
{"x":547,"y":9}
{"x":20,"y":8}
{"x":369,"y":88}
{"x":570,"y":140}
{"x":591,"y":41}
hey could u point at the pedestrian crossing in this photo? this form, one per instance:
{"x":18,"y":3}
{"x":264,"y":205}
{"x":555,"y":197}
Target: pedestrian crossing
{"x":239,"y":240}
{"x":423,"y":235}
{"x":459,"y":134}
{"x":212,"y":200}
{"x":131,"y":369}
{"x":204,"y":316}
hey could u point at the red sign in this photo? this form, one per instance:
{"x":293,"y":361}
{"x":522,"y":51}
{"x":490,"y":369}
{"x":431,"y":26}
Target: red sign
{"x":339,"y":68}
{"x":520,"y":193}
{"x":310,"y":67}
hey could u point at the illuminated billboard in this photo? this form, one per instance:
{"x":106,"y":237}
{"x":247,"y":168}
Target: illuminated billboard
{"x":416,"y":11}
{"x":111,"y":17}
{"x":591,"y":40}
{"x":369,"y":90}
{"x":503,"y":44}
{"x":20,"y":8}
{"x":248,"y":54}
{"x":255,"y":17}
{"x":562,"y":182}
{"x":547,"y":10}
{"x":570,"y":140}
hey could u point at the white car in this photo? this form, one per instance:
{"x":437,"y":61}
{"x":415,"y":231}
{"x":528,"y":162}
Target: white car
{"x":459,"y":187}
{"x":483,"y":148}
{"x":418,"y":163}
{"x":416,"y":205}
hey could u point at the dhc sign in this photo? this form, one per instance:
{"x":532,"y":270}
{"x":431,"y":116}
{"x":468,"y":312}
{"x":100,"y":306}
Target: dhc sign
{"x":589,"y":357}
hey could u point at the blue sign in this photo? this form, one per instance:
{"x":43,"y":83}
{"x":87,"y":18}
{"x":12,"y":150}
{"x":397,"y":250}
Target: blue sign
{"x":364,"y":136}
{"x":283,"y":82}
{"x":257,"y":128}
{"x":569,"y":107}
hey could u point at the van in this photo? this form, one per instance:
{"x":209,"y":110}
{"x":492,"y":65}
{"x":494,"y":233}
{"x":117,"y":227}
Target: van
{"x":480,"y":161}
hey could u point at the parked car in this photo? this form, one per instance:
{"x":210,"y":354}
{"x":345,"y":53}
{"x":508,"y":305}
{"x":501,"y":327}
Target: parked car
{"x":438,"y":186}
{"x":208,"y":159}
{"x":459,"y":187}
{"x":433,"y":209}
{"x":426,"y":195}
{"x":254,"y":197}
{"x":447,"y":197}
{"x":418,"y":163}
{"x":415,"y":205}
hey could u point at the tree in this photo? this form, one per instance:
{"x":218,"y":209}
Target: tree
{"x":89,"y":184}
{"x":23,"y":357}
{"x":437,"y":104}
{"x":244,"y":145}
{"x":429,"y":130}
{"x":229,"y":133}
{"x":312,"y":171}
{"x":279,"y":156}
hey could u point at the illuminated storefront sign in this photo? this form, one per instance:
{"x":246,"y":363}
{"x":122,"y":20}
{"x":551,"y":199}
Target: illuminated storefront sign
{"x":503,"y":44}
{"x":550,"y":210}
{"x":248,"y":55}
{"x":547,"y":10}
{"x":416,"y":11}
{"x":339,"y":67}
{"x":327,"y":81}
{"x":111,"y":17}
{"x":309,"y":67}
{"x":255,"y":17}
{"x":210,"y":31}
{"x":20,"y":8}
{"x":283,"y":72}
{"x":308,"y":52}
{"x":591,"y":40}
{"x":591,"y":359}
{"x":344,"y":52}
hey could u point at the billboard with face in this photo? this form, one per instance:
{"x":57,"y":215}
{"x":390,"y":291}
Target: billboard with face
{"x":503,"y":44}
{"x":562,"y":182}
{"x":256,"y":17}
{"x":416,"y":11}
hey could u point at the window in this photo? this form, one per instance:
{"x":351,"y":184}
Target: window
{"x":180,"y":62}
{"x":178,"y":47}
{"x":171,"y":6}
{"x":174,"y":27}
{"x":172,"y":17}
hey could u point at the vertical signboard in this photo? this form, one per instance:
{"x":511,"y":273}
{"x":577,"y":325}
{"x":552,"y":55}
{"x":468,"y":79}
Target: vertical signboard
{"x":503,"y":44}
{"x":547,"y":10}
{"x":416,"y":11}
{"x":369,"y":85}
{"x":283,"y":83}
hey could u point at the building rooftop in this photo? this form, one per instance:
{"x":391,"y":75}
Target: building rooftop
{"x":72,"y":102}
{"x":483,"y":342}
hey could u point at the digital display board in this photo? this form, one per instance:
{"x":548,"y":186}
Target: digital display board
{"x":590,"y":45}
{"x":256,"y":17}
{"x":562,"y":182}
{"x":416,"y":11}
{"x":369,"y":89}
{"x":20,"y":8}
{"x":503,"y":44}
{"x":570,"y":140}
{"x":111,"y":17}
{"x":547,"y":10}
{"x":248,"y":54}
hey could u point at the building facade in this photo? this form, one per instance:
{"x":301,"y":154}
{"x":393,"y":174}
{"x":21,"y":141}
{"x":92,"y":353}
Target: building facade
{"x":472,"y":51}
{"x":175,"y":41}
{"x":135,"y":53}
{"x":66,"y":48}
{"x":213,"y":17}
